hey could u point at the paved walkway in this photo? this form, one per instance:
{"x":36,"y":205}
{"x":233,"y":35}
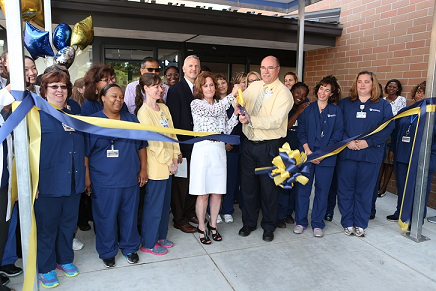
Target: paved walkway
{"x":383,"y":260}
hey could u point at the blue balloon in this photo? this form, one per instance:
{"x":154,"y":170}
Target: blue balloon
{"x":62,"y":36}
{"x":37,"y":42}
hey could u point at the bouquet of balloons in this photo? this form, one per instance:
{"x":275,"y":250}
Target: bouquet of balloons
{"x":66,"y":40}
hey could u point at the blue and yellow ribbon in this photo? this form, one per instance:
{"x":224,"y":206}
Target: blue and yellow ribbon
{"x":279,"y":171}
{"x":28,"y":104}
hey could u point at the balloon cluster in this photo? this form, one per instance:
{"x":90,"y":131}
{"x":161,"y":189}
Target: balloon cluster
{"x":65,"y":40}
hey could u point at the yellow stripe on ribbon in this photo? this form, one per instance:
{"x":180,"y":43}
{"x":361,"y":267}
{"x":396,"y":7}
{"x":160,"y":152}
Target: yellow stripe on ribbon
{"x":34,"y":125}
{"x":408,"y":112}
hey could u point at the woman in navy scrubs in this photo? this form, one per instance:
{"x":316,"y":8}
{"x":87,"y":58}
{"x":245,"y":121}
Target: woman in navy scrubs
{"x":62,"y":179}
{"x":400,"y":149}
{"x":117,"y":168}
{"x":287,"y":197}
{"x":96,"y":78}
{"x":320,"y":125}
{"x":360,"y":160}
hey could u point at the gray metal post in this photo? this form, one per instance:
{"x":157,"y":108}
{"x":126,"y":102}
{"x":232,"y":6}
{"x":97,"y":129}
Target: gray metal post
{"x":16,"y":63}
{"x":425,"y":149}
{"x":300,"y":50}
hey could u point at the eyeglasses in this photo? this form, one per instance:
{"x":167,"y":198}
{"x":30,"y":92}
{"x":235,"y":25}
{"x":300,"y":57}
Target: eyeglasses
{"x":175,"y":75}
{"x":113,"y":80}
{"x":156,"y":70}
{"x":254,"y":80}
{"x":55,"y":87}
{"x":270,"y":68}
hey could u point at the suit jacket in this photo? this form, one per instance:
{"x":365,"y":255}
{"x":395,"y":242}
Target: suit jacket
{"x":179,"y":100}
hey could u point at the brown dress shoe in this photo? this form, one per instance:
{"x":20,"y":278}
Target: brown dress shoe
{"x":188,"y":228}
{"x":194,"y":220}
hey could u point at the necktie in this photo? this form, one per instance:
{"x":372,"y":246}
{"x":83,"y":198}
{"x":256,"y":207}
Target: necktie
{"x":256,"y":109}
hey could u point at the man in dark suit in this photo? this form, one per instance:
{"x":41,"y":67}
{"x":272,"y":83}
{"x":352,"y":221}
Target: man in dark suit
{"x":179,"y":98}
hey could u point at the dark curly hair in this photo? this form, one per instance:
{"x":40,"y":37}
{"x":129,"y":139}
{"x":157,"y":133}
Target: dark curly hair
{"x":92,"y":77}
{"x":335,"y":88}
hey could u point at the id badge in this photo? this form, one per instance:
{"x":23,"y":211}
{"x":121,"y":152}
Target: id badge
{"x":405,"y":139}
{"x":67,"y":128}
{"x":112,"y":153}
{"x":164,"y":123}
{"x":361,"y":115}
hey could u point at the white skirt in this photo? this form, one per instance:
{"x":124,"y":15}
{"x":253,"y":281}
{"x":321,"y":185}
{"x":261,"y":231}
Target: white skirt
{"x":208,"y":173}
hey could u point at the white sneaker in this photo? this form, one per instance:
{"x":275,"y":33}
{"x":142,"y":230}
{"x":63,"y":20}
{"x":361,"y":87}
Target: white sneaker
{"x":358,"y":231}
{"x":228,"y":218}
{"x":317,"y":232}
{"x":219,"y":219}
{"x":349,"y":230}
{"x":299,"y":229}
{"x":77,"y":244}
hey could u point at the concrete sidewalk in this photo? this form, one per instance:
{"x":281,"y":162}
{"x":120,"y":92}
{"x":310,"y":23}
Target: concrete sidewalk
{"x":382,"y":260}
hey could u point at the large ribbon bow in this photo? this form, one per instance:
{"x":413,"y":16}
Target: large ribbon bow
{"x":288,"y":168}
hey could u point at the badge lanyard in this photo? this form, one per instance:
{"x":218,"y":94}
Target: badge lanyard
{"x":361,"y":114}
{"x":163,"y":121}
{"x":406,"y":138}
{"x":112,"y":153}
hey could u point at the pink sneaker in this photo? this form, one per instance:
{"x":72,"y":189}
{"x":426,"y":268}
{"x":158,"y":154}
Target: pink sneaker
{"x":157,"y":250}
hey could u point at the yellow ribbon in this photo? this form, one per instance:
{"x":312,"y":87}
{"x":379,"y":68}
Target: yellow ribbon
{"x":240,"y":98}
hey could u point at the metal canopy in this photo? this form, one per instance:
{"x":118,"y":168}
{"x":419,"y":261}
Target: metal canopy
{"x":282,"y":6}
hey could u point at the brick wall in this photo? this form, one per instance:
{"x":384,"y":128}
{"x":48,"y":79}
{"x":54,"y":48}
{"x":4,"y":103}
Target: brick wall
{"x":388,"y":37}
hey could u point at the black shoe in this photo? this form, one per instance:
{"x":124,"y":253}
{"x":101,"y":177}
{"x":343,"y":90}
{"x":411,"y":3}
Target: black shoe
{"x":109,"y":263}
{"x":372,"y":216}
{"x":268,"y":235}
{"x":246,"y":230}
{"x":281,"y":223}
{"x":132,"y":258}
{"x":5,"y":280}
{"x":215,"y":236}
{"x":328,"y":217}
{"x":84,"y":227}
{"x":289,"y":219}
{"x":10,"y":270}
{"x":392,"y":217}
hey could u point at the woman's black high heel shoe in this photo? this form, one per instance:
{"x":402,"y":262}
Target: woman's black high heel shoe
{"x":215,"y":236}
{"x":205,"y":239}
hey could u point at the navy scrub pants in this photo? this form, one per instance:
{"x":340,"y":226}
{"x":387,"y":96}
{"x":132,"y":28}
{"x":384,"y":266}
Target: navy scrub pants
{"x":233,"y":182}
{"x":56,"y":220}
{"x":115,"y":209}
{"x":401,"y":174}
{"x":356,"y":180}
{"x":323,"y":178}
{"x":156,"y":212}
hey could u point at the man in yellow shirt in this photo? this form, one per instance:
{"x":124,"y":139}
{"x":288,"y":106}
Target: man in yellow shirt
{"x":267,"y":104}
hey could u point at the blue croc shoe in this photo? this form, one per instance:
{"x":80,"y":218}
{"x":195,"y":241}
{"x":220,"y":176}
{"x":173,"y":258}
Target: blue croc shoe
{"x":165,"y":243}
{"x":70,"y":269}
{"x":48,"y":280}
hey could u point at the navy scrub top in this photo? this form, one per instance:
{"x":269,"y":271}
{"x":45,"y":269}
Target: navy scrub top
{"x":121,"y":171}
{"x":376,"y":113}
{"x":402,"y":150}
{"x":62,"y":158}
{"x":320,"y":130}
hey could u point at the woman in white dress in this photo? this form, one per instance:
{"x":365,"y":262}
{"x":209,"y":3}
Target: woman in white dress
{"x":208,"y":161}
